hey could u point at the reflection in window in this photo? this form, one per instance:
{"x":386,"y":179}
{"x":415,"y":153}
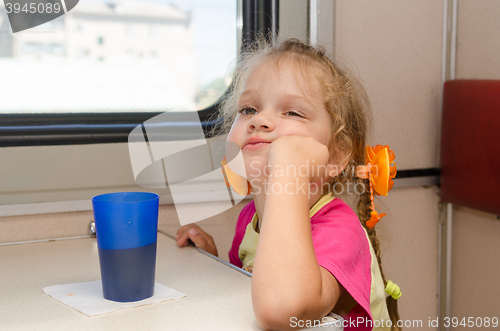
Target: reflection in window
{"x":121,"y":56}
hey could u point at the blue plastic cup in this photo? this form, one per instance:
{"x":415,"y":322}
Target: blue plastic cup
{"x":126,"y":229}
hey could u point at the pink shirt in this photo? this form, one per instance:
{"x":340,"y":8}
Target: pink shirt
{"x":341,"y":247}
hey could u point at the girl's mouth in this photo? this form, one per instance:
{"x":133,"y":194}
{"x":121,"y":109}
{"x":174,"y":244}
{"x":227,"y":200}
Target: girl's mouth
{"x":255,"y":145}
{"x":255,"y":142}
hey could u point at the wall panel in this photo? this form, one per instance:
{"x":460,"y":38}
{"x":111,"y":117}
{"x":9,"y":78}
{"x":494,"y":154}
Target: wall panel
{"x":396,"y":48}
{"x":476,"y":235}
{"x":478,"y":45}
{"x":475,"y":264}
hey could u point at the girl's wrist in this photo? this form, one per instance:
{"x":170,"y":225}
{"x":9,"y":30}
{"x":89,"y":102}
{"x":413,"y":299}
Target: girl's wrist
{"x":290,"y":185}
{"x":289,"y":169}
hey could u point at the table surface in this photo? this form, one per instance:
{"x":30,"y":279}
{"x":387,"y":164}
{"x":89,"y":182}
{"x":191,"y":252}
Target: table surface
{"x":218,"y":295}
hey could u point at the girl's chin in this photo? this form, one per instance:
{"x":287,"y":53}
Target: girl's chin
{"x":256,"y":167}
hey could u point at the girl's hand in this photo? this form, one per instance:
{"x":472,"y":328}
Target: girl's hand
{"x":200,"y":238}
{"x":300,"y":151}
{"x":285,"y":239}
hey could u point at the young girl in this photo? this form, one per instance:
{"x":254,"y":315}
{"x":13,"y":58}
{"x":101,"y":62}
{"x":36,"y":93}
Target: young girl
{"x":301,"y":125}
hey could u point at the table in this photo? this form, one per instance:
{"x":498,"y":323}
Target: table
{"x":218,"y":297}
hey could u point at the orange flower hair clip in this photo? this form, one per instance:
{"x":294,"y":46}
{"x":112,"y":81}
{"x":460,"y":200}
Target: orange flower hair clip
{"x":380,"y":168}
{"x":239,"y":184}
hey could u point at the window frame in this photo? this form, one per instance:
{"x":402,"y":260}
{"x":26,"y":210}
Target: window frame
{"x":97,"y":128}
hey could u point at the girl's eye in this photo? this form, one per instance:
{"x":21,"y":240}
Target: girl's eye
{"x":247,"y":111}
{"x":293,"y":113}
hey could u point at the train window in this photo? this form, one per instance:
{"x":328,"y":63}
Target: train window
{"x":120,"y":56}
{"x":90,"y":81}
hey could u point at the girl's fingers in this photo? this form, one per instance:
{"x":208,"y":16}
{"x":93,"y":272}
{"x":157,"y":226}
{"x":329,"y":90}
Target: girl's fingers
{"x":182,"y":238}
{"x":202,"y":240}
{"x":180,"y":231}
{"x":197,"y":238}
{"x":183,"y":235}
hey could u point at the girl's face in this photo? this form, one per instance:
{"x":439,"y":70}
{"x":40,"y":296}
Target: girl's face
{"x":275,"y":103}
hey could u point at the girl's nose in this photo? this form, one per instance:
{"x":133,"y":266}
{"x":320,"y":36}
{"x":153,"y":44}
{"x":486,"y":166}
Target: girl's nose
{"x":261,"y":121}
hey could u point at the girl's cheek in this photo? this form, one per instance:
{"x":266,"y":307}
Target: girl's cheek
{"x":232,"y":131}
{"x":230,"y":137}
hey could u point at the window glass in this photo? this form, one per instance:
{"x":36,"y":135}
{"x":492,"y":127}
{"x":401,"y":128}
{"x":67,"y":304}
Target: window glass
{"x":120,"y":56}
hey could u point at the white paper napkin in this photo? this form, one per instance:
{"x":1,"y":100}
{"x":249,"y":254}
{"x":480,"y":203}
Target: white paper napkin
{"x":88,"y":299}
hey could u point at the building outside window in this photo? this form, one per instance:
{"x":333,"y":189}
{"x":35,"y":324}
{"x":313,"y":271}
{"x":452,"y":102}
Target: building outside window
{"x":150,"y":56}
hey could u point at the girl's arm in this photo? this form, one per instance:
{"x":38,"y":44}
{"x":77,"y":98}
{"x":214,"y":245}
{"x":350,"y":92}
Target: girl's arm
{"x":287,"y":282}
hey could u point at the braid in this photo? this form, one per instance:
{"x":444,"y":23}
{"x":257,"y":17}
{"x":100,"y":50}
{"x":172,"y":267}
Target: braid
{"x":364,"y":215}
